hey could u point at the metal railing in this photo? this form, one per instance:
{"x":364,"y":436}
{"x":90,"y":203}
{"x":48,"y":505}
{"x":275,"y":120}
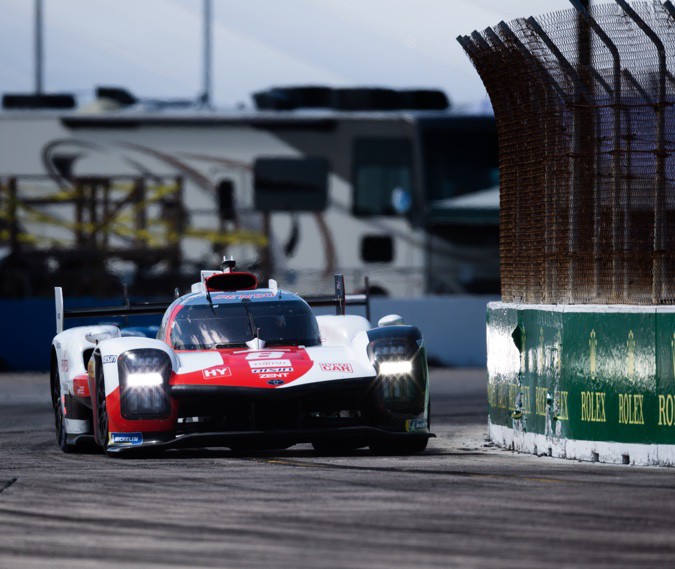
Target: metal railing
{"x":583,"y":101}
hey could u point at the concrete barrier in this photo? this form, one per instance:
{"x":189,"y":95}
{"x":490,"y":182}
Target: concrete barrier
{"x":453,"y":327}
{"x":585,"y":382}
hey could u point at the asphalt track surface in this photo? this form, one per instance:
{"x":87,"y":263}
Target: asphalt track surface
{"x":462,"y":503}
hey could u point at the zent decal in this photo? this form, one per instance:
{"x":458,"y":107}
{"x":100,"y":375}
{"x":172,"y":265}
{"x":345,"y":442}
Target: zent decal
{"x":126,"y":438}
{"x":217,"y":372}
{"x":347,"y":368}
{"x":273,"y":376}
{"x":109,"y":359}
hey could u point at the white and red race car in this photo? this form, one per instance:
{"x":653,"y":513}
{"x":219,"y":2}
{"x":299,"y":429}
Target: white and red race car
{"x":242,"y":367}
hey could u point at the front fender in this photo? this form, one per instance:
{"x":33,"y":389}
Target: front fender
{"x":110,"y":350}
{"x":70,"y":347}
{"x":402,"y":397}
{"x":121,"y":400}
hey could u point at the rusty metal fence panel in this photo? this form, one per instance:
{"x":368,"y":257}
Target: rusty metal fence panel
{"x":583,"y":101}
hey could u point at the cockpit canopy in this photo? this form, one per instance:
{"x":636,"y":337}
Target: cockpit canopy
{"x":204,"y":326}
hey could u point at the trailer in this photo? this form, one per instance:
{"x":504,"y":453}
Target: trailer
{"x":301,"y":191}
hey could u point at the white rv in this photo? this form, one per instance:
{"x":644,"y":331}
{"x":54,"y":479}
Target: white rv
{"x":300,"y":193}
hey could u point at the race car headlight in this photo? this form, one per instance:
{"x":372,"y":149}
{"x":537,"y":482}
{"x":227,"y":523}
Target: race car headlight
{"x":152,"y":379}
{"x":400,"y":367}
{"x":144,"y":379}
{"x":395,"y":360}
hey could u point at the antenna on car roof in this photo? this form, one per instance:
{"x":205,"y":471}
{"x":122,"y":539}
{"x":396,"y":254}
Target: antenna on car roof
{"x":228,"y":264}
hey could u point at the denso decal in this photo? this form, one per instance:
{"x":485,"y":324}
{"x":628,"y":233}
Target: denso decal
{"x":345,"y":368}
{"x":109,"y":359}
{"x":271,"y":369}
{"x":269,"y":363}
{"x":126,"y":438}
{"x":217,"y":372}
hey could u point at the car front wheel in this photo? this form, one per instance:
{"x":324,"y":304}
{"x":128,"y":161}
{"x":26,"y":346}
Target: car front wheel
{"x":57,"y":406}
{"x":102,"y":434}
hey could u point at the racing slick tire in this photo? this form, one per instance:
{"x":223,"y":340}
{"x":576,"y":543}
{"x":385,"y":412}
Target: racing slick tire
{"x":385,"y":447}
{"x":102,"y":433}
{"x":57,"y":407}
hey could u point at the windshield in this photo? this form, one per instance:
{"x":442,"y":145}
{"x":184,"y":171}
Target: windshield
{"x":203,"y":327}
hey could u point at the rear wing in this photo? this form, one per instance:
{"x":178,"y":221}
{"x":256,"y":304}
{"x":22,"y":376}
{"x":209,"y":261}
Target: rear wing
{"x":127,"y":309}
{"x":341,"y":300}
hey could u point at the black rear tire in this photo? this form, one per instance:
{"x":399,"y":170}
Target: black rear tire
{"x":57,"y":407}
{"x":102,"y":433}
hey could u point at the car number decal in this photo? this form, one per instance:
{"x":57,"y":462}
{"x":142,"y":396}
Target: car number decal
{"x":265,"y":355}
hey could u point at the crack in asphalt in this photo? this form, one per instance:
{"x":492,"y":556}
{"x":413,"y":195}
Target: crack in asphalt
{"x":455,"y":473}
{"x":458,"y":473}
{"x":7,"y":484}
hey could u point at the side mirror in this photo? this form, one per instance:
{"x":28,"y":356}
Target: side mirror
{"x":390,"y":320}
{"x":96,"y":337}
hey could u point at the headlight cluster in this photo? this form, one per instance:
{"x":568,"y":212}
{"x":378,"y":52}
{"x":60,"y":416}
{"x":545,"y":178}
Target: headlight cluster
{"x":394,"y":360}
{"x":144,"y":380}
{"x":400,"y":387}
{"x":396,"y":367}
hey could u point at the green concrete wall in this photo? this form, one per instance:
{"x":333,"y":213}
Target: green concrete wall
{"x":587,"y":375}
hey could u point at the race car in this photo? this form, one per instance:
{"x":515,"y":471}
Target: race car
{"x":233,"y":365}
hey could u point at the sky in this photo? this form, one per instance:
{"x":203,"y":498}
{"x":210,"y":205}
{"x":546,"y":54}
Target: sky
{"x":154,"y":47}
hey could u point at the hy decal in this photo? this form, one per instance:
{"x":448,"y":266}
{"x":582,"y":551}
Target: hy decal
{"x":216,"y":372}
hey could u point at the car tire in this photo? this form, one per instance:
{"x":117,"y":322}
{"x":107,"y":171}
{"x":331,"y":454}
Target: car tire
{"x":57,"y":407}
{"x":102,"y":433}
{"x":385,"y":447}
